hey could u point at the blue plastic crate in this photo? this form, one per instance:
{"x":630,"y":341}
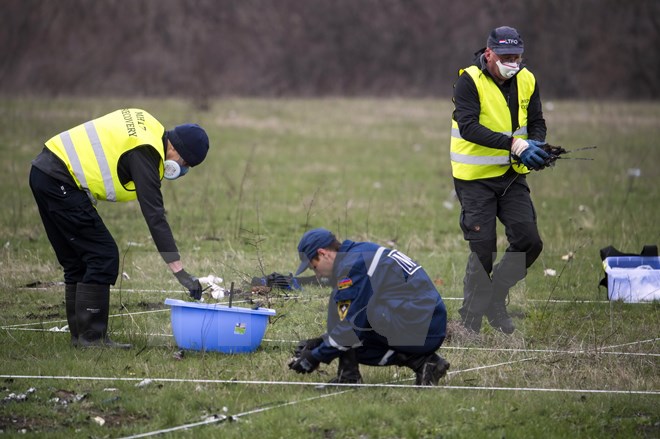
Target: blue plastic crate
{"x":215,"y":327}
{"x":633,"y":278}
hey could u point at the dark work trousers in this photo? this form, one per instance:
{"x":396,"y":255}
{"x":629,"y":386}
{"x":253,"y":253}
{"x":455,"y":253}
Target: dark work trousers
{"x":83,"y":245}
{"x":482,"y":202}
{"x":375,"y":351}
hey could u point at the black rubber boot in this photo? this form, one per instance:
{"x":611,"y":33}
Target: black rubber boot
{"x":499,"y":318}
{"x":92,"y":307}
{"x":70,"y":302}
{"x":428,"y":368}
{"x":471,"y":322}
{"x":348,"y":370}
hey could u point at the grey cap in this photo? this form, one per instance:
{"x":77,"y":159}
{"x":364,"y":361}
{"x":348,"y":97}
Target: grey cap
{"x":505,"y":40}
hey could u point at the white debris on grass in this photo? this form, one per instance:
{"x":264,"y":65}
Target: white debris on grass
{"x":19,"y":397}
{"x":549,"y":272}
{"x":145,"y":382}
{"x":64,"y":328}
{"x":217,"y":292}
{"x":568,"y":256}
{"x":99,"y":420}
{"x":67,"y":397}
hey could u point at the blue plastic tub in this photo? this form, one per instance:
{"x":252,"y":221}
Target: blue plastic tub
{"x":633,"y":278}
{"x":214,"y":327}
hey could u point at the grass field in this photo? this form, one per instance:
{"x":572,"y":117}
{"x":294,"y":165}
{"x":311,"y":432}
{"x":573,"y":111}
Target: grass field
{"x":378,"y":170}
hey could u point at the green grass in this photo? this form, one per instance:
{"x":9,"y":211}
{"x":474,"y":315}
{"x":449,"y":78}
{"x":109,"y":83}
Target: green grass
{"x":370,"y":170}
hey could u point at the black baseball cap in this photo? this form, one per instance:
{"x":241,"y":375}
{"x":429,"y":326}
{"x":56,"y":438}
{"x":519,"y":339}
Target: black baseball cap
{"x":505,"y":40}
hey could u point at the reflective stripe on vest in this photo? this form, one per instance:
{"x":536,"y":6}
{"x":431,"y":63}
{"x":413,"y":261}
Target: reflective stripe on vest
{"x":92,"y":151}
{"x":471,"y":161}
{"x":480,"y":160}
{"x":374,"y":261}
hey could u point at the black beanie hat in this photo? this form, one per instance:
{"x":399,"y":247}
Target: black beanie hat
{"x":190,"y":141}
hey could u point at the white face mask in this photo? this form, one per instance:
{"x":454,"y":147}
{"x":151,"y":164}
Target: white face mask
{"x":173,"y":170}
{"x":507,"y":70}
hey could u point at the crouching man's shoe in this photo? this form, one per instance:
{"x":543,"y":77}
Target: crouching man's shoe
{"x":428,"y":368}
{"x":434,"y":368}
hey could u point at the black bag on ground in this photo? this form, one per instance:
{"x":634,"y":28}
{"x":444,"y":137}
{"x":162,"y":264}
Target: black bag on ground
{"x":288,"y":282}
{"x":277,"y":280}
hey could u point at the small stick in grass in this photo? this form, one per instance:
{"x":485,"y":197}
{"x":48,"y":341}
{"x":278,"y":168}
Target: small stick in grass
{"x":231,"y":293}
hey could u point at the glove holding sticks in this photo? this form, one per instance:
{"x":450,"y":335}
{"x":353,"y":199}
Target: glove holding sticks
{"x":556,"y":152}
{"x":538,"y":155}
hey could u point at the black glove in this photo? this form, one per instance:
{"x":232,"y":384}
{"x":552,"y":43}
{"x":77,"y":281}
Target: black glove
{"x":191,"y":283}
{"x":307,"y":345}
{"x":305,"y":363}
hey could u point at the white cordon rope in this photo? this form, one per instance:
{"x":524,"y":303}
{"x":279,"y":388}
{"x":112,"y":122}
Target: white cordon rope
{"x":293,"y":297}
{"x":595,"y":351}
{"x":222,"y":418}
{"x":324,"y":385}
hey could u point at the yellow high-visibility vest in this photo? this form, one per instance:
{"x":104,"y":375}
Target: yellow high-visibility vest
{"x":471,"y":161}
{"x":91,"y":151}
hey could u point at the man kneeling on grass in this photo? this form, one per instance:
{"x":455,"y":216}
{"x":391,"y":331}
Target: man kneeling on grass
{"x":384,"y":311}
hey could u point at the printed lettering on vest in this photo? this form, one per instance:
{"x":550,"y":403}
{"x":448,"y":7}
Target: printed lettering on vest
{"x":139,"y":115}
{"x":408,"y":265}
{"x":130,"y":125}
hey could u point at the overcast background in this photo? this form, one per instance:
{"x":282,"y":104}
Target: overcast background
{"x":596,"y":49}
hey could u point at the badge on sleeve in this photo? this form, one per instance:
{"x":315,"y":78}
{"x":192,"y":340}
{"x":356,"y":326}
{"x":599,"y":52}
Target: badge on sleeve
{"x":345,"y":283}
{"x":342,"y":308}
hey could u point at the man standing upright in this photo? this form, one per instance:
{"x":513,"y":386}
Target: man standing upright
{"x":496,"y":137}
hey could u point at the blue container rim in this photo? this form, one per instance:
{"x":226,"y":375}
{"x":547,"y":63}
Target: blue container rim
{"x":631,"y":262}
{"x":219,"y":307}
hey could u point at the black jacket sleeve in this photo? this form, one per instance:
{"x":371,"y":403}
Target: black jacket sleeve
{"x":467,"y":110}
{"x":141,"y":165}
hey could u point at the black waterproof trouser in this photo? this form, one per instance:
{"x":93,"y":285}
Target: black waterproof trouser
{"x":506,"y":198}
{"x":83,"y":245}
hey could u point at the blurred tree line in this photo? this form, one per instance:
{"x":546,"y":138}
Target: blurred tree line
{"x":604,"y":49}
